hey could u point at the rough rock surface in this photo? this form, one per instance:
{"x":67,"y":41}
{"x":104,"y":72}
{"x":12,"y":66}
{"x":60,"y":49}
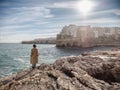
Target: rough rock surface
{"x":89,"y":71}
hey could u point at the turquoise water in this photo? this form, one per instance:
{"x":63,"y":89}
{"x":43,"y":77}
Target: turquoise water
{"x":15,"y":57}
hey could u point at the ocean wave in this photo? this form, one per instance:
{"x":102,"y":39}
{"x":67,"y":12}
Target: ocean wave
{"x":19,"y":59}
{"x":26,"y":56}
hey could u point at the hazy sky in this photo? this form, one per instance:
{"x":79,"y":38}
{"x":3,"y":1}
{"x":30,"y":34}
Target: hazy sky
{"x":30,"y":19}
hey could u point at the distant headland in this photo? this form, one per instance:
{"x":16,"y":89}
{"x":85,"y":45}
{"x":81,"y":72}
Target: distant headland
{"x":50,"y":40}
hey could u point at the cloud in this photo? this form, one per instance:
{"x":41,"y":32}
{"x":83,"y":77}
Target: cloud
{"x":25,"y":14}
{"x":12,"y":27}
{"x":103,"y":21}
{"x":20,"y":37}
{"x":16,"y":38}
{"x":117,"y":12}
{"x":108,"y":11}
{"x":34,"y":11}
{"x":62,"y":5}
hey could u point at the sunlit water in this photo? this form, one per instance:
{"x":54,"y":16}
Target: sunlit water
{"x":15,"y":57}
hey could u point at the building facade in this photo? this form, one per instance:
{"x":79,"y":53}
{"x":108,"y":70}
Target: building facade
{"x":87,"y":36}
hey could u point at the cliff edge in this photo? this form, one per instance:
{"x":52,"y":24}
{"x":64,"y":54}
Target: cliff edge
{"x":89,"y":71}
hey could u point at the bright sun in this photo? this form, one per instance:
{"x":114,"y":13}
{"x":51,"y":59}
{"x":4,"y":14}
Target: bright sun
{"x":85,"y":6}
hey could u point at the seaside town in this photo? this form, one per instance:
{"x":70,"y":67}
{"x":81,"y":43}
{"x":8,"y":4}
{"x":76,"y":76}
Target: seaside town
{"x":87,"y":36}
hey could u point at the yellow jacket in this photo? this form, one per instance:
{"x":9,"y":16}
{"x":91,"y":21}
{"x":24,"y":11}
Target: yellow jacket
{"x":34,"y":56}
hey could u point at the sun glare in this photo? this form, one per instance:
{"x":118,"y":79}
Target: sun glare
{"x":85,"y":6}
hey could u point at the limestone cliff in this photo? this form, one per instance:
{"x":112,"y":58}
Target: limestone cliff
{"x":89,"y":71}
{"x":88,"y":36}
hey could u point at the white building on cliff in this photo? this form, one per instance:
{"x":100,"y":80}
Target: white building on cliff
{"x":87,"y":36}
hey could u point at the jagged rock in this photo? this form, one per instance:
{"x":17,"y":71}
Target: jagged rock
{"x":116,"y":73}
{"x":93,"y":71}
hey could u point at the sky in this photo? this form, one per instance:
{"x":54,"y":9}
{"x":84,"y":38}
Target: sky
{"x":32,"y":19}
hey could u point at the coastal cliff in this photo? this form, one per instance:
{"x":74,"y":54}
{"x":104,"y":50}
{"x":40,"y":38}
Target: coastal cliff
{"x":88,"y":36}
{"x":41,"y":41}
{"x":88,"y":71}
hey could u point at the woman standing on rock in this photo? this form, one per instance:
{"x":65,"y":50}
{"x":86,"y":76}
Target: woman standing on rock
{"x":34,"y":56}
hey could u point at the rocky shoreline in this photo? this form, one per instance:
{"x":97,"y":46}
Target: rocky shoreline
{"x":88,"y":71}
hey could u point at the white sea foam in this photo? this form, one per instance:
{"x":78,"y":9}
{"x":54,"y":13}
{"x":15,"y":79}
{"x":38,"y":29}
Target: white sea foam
{"x":26,"y":56}
{"x":19,"y":59}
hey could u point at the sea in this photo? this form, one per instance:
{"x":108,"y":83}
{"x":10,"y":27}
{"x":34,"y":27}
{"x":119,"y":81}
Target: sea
{"x":15,"y":57}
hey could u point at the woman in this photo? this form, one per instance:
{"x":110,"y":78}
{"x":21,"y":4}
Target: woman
{"x":34,"y":56}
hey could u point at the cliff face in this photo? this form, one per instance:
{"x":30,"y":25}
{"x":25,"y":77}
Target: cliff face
{"x":87,"y":36}
{"x":89,"y":71}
